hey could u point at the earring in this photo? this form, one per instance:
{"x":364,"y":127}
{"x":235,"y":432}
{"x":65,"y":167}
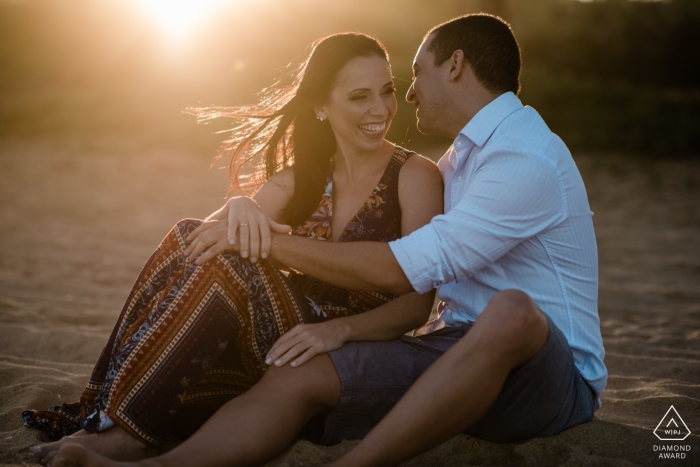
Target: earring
{"x":320,"y":118}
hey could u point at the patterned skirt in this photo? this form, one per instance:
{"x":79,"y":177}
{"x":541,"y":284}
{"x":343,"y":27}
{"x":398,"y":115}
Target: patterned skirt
{"x":189,"y":339}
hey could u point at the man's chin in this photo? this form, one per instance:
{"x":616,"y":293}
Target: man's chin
{"x":424,"y":127}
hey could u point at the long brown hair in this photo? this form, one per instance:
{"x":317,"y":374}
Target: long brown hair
{"x":282,"y":130}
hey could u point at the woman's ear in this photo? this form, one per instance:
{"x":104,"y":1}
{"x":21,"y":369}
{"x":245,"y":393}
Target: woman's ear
{"x":320,"y":112}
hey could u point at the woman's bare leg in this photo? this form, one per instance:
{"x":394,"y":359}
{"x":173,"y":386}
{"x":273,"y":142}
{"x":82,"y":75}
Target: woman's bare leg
{"x":248,"y":430}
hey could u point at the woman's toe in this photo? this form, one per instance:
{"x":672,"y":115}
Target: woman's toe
{"x":46,"y":460}
{"x":36,"y":452}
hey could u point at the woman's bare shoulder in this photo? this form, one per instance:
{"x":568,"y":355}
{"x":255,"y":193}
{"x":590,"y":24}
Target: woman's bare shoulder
{"x":284,"y":180}
{"x":419,"y":170}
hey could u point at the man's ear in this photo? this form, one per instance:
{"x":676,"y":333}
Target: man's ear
{"x":457,"y":62}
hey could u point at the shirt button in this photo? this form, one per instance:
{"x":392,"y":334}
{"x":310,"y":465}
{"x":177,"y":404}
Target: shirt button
{"x":459,"y":179}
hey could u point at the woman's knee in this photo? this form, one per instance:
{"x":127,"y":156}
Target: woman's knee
{"x":187,"y":226}
{"x":316,"y":382}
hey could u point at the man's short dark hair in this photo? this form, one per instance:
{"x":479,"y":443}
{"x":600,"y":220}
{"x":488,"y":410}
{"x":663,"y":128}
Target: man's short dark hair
{"x":489,"y":46}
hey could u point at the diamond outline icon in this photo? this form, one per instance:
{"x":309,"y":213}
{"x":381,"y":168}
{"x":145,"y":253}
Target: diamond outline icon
{"x":672,"y":419}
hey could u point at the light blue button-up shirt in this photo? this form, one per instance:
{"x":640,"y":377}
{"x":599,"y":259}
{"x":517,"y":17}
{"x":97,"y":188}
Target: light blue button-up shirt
{"x":516,"y":217}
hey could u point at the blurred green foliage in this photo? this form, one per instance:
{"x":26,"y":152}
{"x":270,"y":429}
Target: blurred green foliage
{"x":615,"y":75}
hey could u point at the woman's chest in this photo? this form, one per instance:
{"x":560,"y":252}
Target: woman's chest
{"x":349,"y":200}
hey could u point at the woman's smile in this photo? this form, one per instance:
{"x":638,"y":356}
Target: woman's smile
{"x":373,"y":129}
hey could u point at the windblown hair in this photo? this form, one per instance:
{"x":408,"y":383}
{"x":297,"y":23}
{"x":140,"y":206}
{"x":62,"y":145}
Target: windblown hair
{"x":282,"y":130}
{"x":489,"y":46}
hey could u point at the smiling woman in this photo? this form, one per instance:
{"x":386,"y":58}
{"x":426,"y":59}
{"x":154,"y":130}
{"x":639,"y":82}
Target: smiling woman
{"x":209,"y":313}
{"x":180,"y":17}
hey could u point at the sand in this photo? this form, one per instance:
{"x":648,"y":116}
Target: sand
{"x":79,"y":218}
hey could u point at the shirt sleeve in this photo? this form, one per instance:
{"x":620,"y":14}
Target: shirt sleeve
{"x":511,"y":196}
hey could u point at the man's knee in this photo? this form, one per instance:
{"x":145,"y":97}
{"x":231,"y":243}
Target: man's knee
{"x":515,"y":317}
{"x":316,"y":382}
{"x":516,"y":311}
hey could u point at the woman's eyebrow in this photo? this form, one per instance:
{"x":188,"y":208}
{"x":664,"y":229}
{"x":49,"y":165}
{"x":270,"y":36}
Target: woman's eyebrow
{"x":390,"y":83}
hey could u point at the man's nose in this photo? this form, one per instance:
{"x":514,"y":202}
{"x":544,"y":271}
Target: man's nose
{"x":410,"y":95}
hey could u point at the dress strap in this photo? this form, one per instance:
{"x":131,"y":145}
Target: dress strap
{"x":401,"y":155}
{"x":397,"y":161}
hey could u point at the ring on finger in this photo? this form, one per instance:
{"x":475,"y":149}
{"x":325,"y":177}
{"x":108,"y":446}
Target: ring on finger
{"x":244,"y":224}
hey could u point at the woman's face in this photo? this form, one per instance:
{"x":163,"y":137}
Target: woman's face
{"x":361,"y":105}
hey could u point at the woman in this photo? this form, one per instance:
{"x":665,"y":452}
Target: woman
{"x":202,"y":322}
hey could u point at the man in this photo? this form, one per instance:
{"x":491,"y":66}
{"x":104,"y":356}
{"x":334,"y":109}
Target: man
{"x":516,"y":217}
{"x":516,"y":352}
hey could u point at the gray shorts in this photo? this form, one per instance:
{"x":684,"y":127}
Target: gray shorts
{"x":541,"y":398}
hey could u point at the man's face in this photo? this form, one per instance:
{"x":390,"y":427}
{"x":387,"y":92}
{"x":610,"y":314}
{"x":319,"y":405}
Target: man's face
{"x":427,"y":92}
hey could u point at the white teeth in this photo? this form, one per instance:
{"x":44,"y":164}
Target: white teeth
{"x":374,"y":128}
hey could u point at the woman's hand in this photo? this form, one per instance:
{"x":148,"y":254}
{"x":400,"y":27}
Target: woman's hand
{"x":306,"y":340}
{"x":240,"y":221}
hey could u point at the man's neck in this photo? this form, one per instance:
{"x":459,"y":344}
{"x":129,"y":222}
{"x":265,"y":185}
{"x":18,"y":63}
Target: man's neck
{"x":471,"y":101}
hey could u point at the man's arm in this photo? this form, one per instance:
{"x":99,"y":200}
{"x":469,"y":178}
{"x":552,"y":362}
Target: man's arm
{"x":512,"y":197}
{"x":367,"y":266}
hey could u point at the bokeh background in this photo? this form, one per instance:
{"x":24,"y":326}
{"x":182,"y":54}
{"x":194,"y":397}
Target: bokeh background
{"x":608,"y":76}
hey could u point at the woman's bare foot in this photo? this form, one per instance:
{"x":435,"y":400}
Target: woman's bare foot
{"x":43,"y":452}
{"x":75,"y":455}
{"x":114,"y":443}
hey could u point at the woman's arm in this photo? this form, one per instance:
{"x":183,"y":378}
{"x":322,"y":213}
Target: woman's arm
{"x":245,"y":220}
{"x":275,"y":194}
{"x":421,"y":198}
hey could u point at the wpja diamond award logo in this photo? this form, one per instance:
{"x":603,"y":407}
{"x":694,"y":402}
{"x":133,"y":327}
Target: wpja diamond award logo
{"x":672,"y":428}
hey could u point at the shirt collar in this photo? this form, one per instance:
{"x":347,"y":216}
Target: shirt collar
{"x":486,"y":120}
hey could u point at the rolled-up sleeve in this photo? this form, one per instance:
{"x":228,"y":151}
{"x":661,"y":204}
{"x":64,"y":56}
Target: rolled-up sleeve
{"x":511,"y":196}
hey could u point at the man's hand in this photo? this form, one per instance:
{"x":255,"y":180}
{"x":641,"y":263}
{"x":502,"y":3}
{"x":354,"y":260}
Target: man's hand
{"x":306,"y":340}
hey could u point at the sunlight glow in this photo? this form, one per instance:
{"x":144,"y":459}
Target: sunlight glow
{"x":178,"y":18}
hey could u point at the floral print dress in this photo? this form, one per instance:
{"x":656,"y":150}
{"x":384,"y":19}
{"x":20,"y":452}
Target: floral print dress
{"x":379,"y":220}
{"x":191,"y":337}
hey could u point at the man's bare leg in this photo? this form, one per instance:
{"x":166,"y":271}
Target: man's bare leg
{"x":459,"y":388}
{"x":248,"y":430}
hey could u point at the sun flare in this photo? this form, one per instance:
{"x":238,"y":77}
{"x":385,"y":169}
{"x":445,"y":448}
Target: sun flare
{"x":180,"y":17}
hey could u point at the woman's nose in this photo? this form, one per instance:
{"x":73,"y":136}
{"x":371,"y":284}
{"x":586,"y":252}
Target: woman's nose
{"x":379,"y":108}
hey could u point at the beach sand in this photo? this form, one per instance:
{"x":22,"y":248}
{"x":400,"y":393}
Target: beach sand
{"x":80,"y":218}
